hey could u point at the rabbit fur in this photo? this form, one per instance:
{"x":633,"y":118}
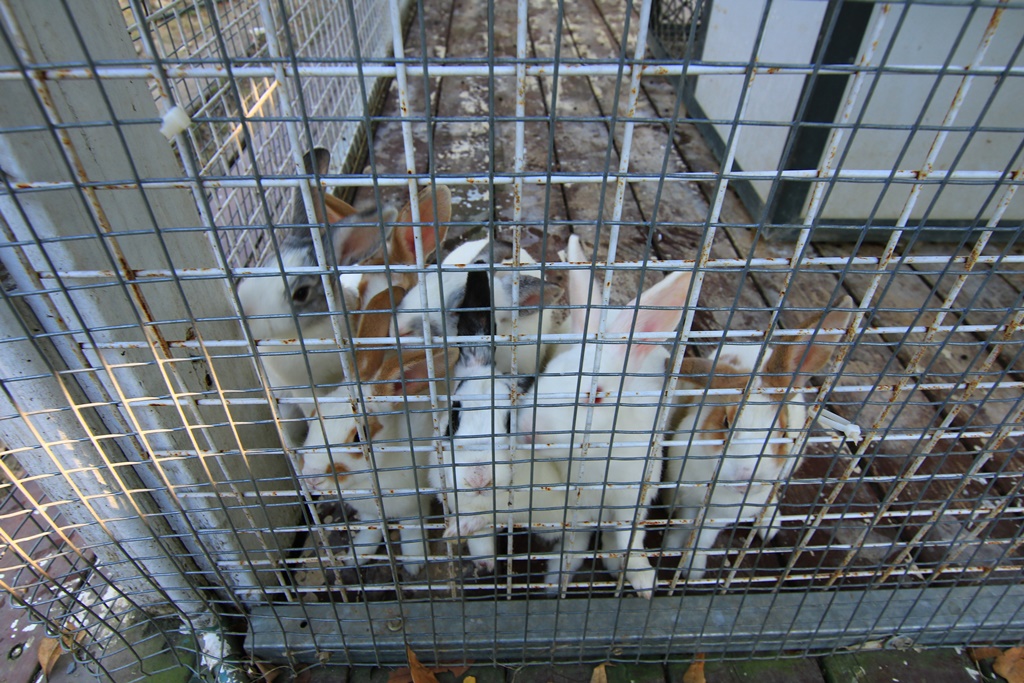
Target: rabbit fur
{"x":734,"y":480}
{"x":332,"y":459}
{"x":546,"y":419}
{"x":482,"y":463}
{"x":533,"y":292}
{"x":289,"y":307}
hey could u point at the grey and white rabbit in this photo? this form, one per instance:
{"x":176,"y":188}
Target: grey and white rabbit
{"x":484,"y":480}
{"x":615,"y":481}
{"x":288,"y":306}
{"x":734,"y":480}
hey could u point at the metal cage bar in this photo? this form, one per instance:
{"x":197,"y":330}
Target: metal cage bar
{"x":624,"y":338}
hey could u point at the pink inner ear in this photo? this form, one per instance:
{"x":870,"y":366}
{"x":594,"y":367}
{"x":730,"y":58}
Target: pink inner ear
{"x":408,"y":234}
{"x":579,"y":284}
{"x":531,"y":301}
{"x":352,"y":244}
{"x":416,"y":375}
{"x":429,"y":212}
{"x":668,"y":295}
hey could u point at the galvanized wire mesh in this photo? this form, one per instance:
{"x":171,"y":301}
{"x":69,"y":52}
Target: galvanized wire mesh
{"x":334,"y":441}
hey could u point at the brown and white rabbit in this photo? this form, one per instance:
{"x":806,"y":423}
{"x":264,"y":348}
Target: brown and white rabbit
{"x":733,"y":480}
{"x":288,"y":306}
{"x":610,"y":478}
{"x":332,"y":458}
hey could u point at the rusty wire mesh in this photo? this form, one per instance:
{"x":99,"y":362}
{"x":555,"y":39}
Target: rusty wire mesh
{"x":836,"y":214}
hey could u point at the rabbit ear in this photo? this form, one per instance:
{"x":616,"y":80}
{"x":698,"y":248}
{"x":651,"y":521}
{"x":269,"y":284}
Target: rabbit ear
{"x":475,"y":318}
{"x":350,"y":244}
{"x":337,"y":210}
{"x":402,"y":244}
{"x":579,"y":286}
{"x":319,"y":160}
{"x":661,"y":309}
{"x":533,"y":292}
{"x":412,"y":365}
{"x":375,"y":322}
{"x":695,"y":372}
{"x":353,"y":244}
{"x":803,"y":355}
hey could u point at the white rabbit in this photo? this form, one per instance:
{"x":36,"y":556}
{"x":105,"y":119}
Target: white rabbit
{"x":481,"y":466}
{"x":735,"y":479}
{"x":292,"y":306}
{"x":612,"y":478}
{"x":331,"y":458}
{"x":533,"y":292}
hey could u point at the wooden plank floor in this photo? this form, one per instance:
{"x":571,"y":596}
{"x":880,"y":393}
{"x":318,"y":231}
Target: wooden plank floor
{"x":900,"y":507}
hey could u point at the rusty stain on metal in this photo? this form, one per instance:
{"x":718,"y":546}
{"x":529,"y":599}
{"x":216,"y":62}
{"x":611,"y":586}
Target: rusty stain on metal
{"x":993,"y":23}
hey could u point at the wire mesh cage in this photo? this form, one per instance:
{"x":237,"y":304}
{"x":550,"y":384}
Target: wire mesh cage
{"x":337,"y":328}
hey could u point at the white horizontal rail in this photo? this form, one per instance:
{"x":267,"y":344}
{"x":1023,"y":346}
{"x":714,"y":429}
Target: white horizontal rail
{"x":667,"y":523}
{"x":506,"y":68}
{"x":937,"y":176}
{"x":889,"y":436}
{"x":667,"y":264}
{"x":912,"y":572}
{"x":677,"y":393}
{"x":565,"y":338}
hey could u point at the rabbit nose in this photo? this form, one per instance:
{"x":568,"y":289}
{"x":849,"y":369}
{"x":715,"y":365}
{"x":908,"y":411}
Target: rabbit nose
{"x":479,"y":478}
{"x":740,"y":477}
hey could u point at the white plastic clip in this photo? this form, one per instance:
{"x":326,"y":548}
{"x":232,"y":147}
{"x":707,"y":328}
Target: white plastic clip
{"x":840,"y":424}
{"x":176,"y":120}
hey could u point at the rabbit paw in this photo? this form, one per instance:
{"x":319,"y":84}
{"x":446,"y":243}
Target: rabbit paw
{"x":696,"y":566}
{"x":642,"y":582}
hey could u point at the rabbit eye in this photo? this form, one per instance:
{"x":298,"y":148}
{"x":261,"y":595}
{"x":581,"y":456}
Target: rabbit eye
{"x":508,"y":423}
{"x":301,"y":295}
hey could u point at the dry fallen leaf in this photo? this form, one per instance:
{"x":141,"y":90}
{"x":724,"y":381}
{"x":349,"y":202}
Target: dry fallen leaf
{"x":469,"y":679}
{"x":49,"y":652}
{"x":695,"y":672}
{"x":268,"y":672}
{"x":420,"y":673}
{"x":406,"y":673}
{"x":403,"y":675}
{"x":1010,"y":665}
{"x":599,"y":675}
{"x":979,"y":653}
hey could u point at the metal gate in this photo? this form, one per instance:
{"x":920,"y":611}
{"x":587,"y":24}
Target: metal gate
{"x":578,"y":332}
